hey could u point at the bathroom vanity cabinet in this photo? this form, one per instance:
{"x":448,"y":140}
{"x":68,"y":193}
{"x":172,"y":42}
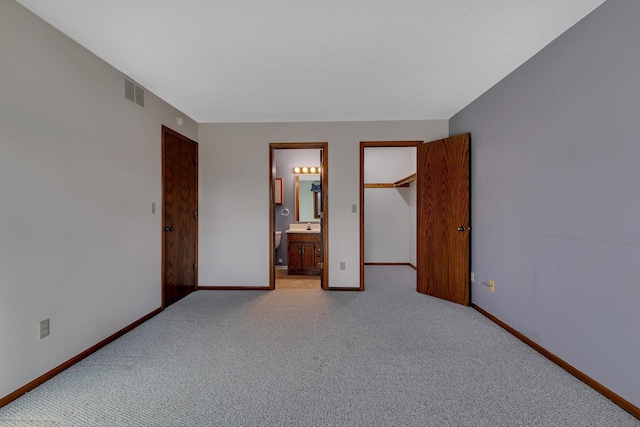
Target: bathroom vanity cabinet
{"x":305,"y":253}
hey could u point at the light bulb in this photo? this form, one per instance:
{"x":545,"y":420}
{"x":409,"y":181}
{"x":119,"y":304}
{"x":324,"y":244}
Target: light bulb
{"x":313,"y":170}
{"x":296,"y":170}
{"x":305,"y":169}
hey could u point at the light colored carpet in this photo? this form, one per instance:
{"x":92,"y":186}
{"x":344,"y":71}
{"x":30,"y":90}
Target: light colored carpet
{"x":286,"y":281}
{"x":384,"y":357}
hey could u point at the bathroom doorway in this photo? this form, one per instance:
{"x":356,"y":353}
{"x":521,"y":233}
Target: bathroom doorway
{"x":298,"y":215}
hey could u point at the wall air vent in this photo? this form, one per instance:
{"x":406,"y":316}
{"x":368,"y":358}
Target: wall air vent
{"x":133,"y":92}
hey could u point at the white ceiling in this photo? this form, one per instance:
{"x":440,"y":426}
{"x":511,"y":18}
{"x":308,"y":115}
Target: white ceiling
{"x":314,"y":60}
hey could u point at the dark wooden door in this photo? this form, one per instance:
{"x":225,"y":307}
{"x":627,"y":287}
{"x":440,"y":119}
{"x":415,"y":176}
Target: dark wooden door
{"x":180,"y":211}
{"x":302,"y":257}
{"x":308,"y":256}
{"x":443,"y":219}
{"x":294,"y":256}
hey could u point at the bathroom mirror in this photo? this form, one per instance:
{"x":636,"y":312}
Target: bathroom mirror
{"x":308,"y":198}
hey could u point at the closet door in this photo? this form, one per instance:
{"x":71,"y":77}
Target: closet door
{"x":444,"y":219}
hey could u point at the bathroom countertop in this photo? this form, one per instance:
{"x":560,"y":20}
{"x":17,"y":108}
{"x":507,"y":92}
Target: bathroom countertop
{"x":302,"y":228}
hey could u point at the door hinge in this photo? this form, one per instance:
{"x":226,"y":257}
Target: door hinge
{"x":195,"y":214}
{"x":195,"y":161}
{"x":195,"y":266}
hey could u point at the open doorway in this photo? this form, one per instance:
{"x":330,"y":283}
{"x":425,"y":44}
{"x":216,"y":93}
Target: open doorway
{"x":298,"y":212}
{"x":387,"y":204}
{"x":442,"y":220}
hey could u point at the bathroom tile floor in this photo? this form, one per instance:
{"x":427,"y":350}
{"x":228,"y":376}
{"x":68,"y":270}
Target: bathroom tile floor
{"x":285,"y":281}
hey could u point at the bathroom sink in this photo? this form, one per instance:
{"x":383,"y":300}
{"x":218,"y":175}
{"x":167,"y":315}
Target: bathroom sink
{"x":302,"y":228}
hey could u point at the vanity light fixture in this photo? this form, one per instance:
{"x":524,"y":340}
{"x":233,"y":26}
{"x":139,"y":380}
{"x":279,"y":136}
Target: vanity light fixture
{"x":301,"y":170}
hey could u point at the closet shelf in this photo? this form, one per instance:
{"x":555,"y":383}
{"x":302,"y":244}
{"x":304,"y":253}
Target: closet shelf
{"x":379,"y":185}
{"x":404,"y":182}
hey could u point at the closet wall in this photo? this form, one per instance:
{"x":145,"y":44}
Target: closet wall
{"x":390,"y":213}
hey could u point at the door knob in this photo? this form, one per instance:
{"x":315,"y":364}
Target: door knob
{"x":168,"y":229}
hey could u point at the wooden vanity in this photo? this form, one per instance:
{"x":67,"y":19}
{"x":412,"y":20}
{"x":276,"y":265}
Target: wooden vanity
{"x":305,"y":253}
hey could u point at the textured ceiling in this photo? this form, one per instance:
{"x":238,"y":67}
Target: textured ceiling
{"x":314,"y":60}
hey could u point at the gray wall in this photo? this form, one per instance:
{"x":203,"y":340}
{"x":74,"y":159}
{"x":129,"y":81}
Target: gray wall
{"x":233,"y":220}
{"x":79,"y":170}
{"x":556,"y":211}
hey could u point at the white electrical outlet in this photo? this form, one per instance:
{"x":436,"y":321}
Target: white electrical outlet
{"x":342,"y":265}
{"x":473,"y":278}
{"x":354,"y":208}
{"x":44,"y":328}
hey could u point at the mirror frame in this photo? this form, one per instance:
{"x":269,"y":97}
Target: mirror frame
{"x":317,"y":204}
{"x":317,"y":201}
